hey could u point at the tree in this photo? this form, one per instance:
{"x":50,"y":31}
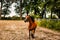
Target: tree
{"x":6,"y":5}
{"x":20,"y":9}
{"x":0,"y":12}
{"x":33,"y":5}
{"x":56,"y":8}
{"x":26,"y":6}
{"x":1,"y":8}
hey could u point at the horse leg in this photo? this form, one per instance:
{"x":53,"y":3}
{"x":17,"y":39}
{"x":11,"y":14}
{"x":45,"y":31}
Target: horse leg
{"x":33,"y":32}
{"x":29,"y":34}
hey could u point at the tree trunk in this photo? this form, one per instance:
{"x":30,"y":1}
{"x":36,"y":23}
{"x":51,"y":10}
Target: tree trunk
{"x":35,"y":11}
{"x":51,"y":14}
{"x":21,"y":9}
{"x":45,"y":15}
{"x":1,"y":9}
{"x":59,"y":15}
{"x":27,"y":12}
{"x":42,"y":15}
{"x":0,"y":12}
{"x":4,"y":16}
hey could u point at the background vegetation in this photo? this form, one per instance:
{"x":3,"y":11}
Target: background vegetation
{"x":51,"y":24}
{"x":38,"y":7}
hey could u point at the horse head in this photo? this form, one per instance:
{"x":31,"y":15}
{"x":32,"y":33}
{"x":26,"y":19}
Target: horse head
{"x":27,"y":18}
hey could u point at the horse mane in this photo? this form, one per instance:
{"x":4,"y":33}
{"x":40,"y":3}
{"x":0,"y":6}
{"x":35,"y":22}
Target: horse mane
{"x":32,"y":18}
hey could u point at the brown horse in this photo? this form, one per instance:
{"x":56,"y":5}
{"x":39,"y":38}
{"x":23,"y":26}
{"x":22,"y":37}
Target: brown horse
{"x":32,"y":25}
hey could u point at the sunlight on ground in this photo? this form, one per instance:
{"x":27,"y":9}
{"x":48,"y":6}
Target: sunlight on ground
{"x":18,"y":30}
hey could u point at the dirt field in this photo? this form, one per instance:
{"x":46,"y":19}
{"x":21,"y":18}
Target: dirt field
{"x":18,"y":30}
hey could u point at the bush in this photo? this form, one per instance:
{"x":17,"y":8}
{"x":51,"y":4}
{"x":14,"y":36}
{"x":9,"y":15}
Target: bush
{"x":51,"y":24}
{"x":12,"y":18}
{"x":57,"y":25}
{"x":6,"y":18}
{"x":15,"y":18}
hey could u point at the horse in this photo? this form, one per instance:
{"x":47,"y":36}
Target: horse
{"x":32,"y":25}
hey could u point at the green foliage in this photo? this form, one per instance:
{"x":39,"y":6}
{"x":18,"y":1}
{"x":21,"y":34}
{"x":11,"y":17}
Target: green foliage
{"x":17,"y":6}
{"x":15,"y":18}
{"x":35,"y":16}
{"x":58,"y":25}
{"x":51,"y":24}
{"x":38,"y":6}
{"x":5,"y":7}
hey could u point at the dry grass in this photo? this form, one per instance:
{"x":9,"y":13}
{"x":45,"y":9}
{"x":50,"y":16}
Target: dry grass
{"x":17,"y":30}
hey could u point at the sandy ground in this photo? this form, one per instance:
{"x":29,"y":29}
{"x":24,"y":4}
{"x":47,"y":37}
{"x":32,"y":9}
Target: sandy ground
{"x":18,"y":30}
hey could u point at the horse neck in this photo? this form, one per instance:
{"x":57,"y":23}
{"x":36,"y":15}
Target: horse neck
{"x":30,"y":21}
